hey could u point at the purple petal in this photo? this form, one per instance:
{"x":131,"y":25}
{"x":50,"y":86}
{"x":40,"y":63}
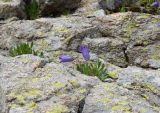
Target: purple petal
{"x":85,"y":52}
{"x":81,"y":48}
{"x":66,"y":58}
{"x":155,"y":4}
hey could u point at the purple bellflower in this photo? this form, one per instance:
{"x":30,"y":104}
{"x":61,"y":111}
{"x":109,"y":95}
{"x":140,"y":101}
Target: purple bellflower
{"x":155,"y":3}
{"x":85,"y":52}
{"x":66,"y":58}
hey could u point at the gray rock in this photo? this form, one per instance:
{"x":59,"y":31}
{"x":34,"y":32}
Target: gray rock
{"x":122,"y":39}
{"x":115,"y":5}
{"x":12,"y":8}
{"x":30,"y":84}
{"x":136,"y":90}
{"x":54,"y":7}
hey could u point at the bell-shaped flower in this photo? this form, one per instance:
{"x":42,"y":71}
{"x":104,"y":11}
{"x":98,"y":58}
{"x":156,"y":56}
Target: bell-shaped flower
{"x":155,"y":3}
{"x":85,"y":52}
{"x":66,"y":58}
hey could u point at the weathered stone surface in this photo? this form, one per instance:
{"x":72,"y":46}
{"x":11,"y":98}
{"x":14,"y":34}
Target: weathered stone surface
{"x":12,"y":8}
{"x":90,"y":8}
{"x":122,"y":39}
{"x":128,"y":38}
{"x":115,"y":5}
{"x":30,"y":84}
{"x":54,"y":7}
{"x":136,"y":90}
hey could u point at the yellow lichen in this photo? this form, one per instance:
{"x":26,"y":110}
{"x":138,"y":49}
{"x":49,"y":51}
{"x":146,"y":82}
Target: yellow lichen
{"x":120,"y":108}
{"x":142,"y":110}
{"x":58,"y":109}
{"x":129,"y":28}
{"x":81,"y":90}
{"x":74,"y":83}
{"x":20,"y":98}
{"x":57,"y":85}
{"x":145,"y":49}
{"x":44,"y":45}
{"x":112,"y":75}
{"x":26,"y":60}
{"x":151,"y":87}
{"x":156,"y":56}
{"x":104,"y":100}
{"x":31,"y":92}
{"x":31,"y":106}
{"x":14,"y":106}
{"x":48,"y":76}
{"x":145,"y":96}
{"x":158,"y":46}
{"x":61,"y":30}
{"x":35,"y":79}
{"x":143,"y":16}
{"x":147,"y":31}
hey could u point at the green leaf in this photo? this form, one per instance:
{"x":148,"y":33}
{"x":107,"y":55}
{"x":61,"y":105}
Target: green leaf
{"x":93,"y":69}
{"x":24,"y":48}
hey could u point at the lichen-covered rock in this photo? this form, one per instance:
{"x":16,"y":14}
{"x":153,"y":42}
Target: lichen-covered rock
{"x":90,"y":8}
{"x":30,"y":84}
{"x":122,"y":39}
{"x":114,"y":5}
{"x":136,"y":90}
{"x":12,"y":8}
{"x":55,"y":7}
{"x":128,"y":39}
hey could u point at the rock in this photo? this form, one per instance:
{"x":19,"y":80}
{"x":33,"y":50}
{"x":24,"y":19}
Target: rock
{"x":114,"y":5}
{"x":90,"y":8}
{"x":30,"y":84}
{"x":136,"y":90}
{"x":55,"y":7}
{"x":128,"y":39}
{"x":122,"y":39}
{"x":111,"y":4}
{"x":12,"y":8}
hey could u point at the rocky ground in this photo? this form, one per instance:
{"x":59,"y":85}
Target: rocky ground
{"x":128,"y":43}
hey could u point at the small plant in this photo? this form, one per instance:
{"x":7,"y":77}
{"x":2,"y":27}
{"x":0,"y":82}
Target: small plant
{"x":24,"y":48}
{"x":94,"y":69}
{"x":32,"y":10}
